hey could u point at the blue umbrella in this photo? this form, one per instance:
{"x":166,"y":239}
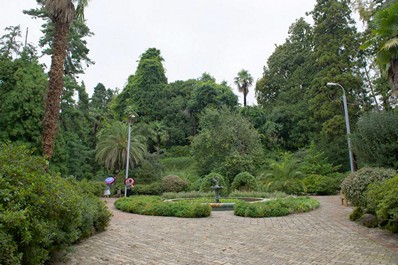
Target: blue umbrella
{"x":109,"y":180}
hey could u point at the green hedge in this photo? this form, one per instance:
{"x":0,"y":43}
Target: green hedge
{"x":208,"y":183}
{"x":42,"y":213}
{"x":154,"y":205}
{"x":244,"y":181}
{"x":148,"y":189}
{"x":276,"y":207}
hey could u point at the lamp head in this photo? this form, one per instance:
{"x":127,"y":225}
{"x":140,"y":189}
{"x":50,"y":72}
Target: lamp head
{"x":332,"y":84}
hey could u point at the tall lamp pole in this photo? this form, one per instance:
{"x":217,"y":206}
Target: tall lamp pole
{"x":131,"y":121}
{"x":347,"y":124}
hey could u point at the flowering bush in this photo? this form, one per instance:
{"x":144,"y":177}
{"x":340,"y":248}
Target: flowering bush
{"x":355,"y":185}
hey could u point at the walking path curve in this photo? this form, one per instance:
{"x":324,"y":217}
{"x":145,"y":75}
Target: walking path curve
{"x":324,"y":236}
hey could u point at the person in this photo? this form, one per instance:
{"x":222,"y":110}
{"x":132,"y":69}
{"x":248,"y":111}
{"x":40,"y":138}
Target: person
{"x":107,"y":191}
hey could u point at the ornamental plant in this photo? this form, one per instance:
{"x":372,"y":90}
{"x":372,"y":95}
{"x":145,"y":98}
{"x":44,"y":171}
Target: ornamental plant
{"x":244,"y":181}
{"x":208,"y":182}
{"x":356,"y":184}
{"x":174,"y":183}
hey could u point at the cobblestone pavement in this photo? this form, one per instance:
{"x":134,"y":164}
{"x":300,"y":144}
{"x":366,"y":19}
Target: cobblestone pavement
{"x":323,"y":236}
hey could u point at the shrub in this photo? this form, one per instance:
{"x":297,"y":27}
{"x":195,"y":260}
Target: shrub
{"x":174,"y":184}
{"x":153,"y":205}
{"x":323,"y":185}
{"x":277,"y":207}
{"x":355,"y":185}
{"x":208,"y":182}
{"x":41,"y":213}
{"x":150,"y":169}
{"x":185,"y":195}
{"x":257,"y":194}
{"x":148,"y":189}
{"x":244,"y":182}
{"x":382,"y":200}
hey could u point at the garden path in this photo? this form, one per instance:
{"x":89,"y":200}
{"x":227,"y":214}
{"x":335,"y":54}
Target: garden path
{"x":324,"y":236}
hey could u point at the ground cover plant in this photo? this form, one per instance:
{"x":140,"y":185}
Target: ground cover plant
{"x":154,"y":205}
{"x":277,"y":207}
{"x":42,"y":213}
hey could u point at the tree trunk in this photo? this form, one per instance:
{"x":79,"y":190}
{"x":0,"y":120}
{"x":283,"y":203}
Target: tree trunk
{"x":393,"y":74}
{"x":55,"y":87}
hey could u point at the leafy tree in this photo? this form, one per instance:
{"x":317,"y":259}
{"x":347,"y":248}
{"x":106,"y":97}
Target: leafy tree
{"x":112,"y":147}
{"x":22,"y":88}
{"x":375,"y":140}
{"x":144,"y":90}
{"x":9,"y":43}
{"x":243,"y":80}
{"x":235,"y":150}
{"x":336,"y":48}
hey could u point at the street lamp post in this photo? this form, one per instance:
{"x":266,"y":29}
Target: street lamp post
{"x":347,"y":124}
{"x":131,"y":120}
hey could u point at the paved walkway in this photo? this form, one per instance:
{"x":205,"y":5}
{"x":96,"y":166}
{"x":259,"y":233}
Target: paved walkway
{"x":324,"y":236}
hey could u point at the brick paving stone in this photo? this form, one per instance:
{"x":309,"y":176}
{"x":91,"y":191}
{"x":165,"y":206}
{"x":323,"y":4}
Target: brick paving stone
{"x":323,"y":236}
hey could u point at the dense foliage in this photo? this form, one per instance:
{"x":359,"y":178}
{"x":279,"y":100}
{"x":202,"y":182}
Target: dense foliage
{"x":244,"y":181}
{"x":155,"y":206}
{"x":276,"y":207}
{"x":356,"y":184}
{"x":42,"y":213}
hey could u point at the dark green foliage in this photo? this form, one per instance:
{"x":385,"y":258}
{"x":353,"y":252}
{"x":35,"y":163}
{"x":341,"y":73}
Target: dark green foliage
{"x":155,"y":206}
{"x":382,"y":200}
{"x":42,"y":213}
{"x":209,"y":181}
{"x":244,"y":182}
{"x":356,"y":184}
{"x":235,"y":150}
{"x":323,"y":185}
{"x":276,"y":207}
{"x":174,"y":184}
{"x":149,"y":170}
{"x":356,"y":213}
{"x":22,"y":88}
{"x":154,"y":188}
{"x":375,"y":139}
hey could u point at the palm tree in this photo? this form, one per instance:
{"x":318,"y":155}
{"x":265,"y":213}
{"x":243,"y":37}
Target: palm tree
{"x":284,"y":175}
{"x":386,"y":21}
{"x":111,"y":149}
{"x":243,"y":81}
{"x":62,"y":14}
{"x":158,"y":134}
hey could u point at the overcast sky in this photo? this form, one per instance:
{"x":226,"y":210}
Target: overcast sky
{"x":220,"y":37}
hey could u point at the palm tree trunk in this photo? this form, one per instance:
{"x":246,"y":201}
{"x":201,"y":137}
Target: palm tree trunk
{"x":55,"y":87}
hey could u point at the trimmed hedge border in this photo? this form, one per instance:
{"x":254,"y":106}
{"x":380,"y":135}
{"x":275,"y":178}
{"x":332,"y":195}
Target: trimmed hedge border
{"x":154,"y":205}
{"x":277,"y":207}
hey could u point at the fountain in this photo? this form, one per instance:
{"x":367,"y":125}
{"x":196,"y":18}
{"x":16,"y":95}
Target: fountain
{"x":217,"y":188}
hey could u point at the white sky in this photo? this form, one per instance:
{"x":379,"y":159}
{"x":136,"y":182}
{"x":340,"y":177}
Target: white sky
{"x":194,"y":36}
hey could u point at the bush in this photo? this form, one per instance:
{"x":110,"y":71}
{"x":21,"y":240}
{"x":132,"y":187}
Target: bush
{"x":257,"y":194}
{"x":382,"y":200}
{"x":277,"y":207}
{"x":244,"y":182}
{"x":174,"y":184}
{"x":148,"y":189}
{"x":323,"y":185}
{"x":150,"y":169}
{"x":41,"y":213}
{"x":186,"y":195}
{"x":208,"y":182}
{"x":355,"y":185}
{"x":153,"y":205}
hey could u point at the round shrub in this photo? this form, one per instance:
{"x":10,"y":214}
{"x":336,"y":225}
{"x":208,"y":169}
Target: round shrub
{"x":208,"y":182}
{"x":174,"y":184}
{"x":355,"y":185}
{"x":244,"y":182}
